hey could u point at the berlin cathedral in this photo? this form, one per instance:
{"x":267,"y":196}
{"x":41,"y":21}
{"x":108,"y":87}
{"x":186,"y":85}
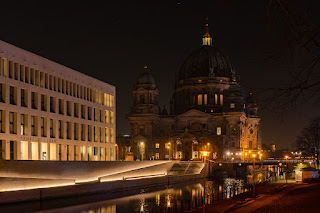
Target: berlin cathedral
{"x":209,"y":111}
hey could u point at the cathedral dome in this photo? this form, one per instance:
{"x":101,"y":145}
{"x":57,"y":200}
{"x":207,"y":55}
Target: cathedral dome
{"x":206,"y":61}
{"x":145,"y":78}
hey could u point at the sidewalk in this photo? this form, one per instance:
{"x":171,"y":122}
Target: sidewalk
{"x":266,"y":194}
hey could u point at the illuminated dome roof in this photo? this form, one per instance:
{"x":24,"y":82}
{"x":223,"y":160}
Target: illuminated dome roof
{"x":145,"y":78}
{"x":206,"y":61}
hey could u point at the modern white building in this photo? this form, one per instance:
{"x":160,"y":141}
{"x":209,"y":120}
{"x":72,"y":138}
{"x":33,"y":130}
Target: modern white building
{"x":51,"y":112}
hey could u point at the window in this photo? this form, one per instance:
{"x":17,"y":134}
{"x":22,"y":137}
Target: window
{"x":95,"y":114}
{"x":232,"y":106}
{"x":221,"y":99}
{"x":32,"y":76}
{"x":26,"y":76}
{"x":89,"y":132}
{"x":89,"y":113}
{"x":52,"y":133}
{"x":157,"y":156}
{"x":205,"y":99}
{"x":250,"y":144}
{"x":100,"y":134}
{"x":83,"y":111}
{"x":68,"y":130}
{"x":33,"y":126}
{"x":34,"y":99}
{"x":12,"y":122}
{"x":23,"y":98}
{"x":68,"y":108}
{"x":75,"y":131}
{"x":142,"y":99}
{"x":16,"y":71}
{"x":5,"y":67}
{"x":43,"y":127}
{"x":13,"y":95}
{"x":61,"y":110}
{"x":52,"y":105}
{"x":216,"y":98}
{"x":112,"y":135}
{"x":23,"y":124}
{"x":2,"y":93}
{"x":199,"y":99}
{"x":2,"y":123}
{"x":76,"y":110}
{"x":21,"y":73}
{"x":42,"y":80}
{"x":107,"y":135}
{"x":218,"y":130}
{"x":60,"y":128}
{"x":95,"y":134}
{"x":43,"y":102}
{"x":157,"y":145}
{"x":107,"y":117}
{"x":10,"y":69}
{"x":111,"y":117}
{"x":37,"y":77}
{"x":101,"y":116}
{"x":83,"y":132}
{"x":12,"y":150}
{"x":1,"y":155}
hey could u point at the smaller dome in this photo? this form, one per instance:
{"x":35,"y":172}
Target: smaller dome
{"x":145,"y":78}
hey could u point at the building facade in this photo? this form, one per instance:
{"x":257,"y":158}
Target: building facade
{"x":51,"y":112}
{"x":209,"y":111}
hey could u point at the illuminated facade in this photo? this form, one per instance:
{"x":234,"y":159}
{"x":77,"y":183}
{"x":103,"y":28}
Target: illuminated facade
{"x":209,"y":110}
{"x":51,"y":112}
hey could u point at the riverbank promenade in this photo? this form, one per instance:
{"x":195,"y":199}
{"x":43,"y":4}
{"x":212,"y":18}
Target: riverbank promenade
{"x":274,"y":197}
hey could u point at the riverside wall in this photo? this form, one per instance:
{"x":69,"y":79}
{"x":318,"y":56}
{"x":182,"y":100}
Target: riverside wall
{"x":40,"y":180}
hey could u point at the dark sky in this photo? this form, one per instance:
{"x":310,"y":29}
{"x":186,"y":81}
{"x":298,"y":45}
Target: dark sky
{"x":113,"y":40}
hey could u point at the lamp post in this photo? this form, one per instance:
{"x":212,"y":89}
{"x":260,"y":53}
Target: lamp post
{"x":169,"y":147}
{"x":204,"y":154}
{"x":286,"y":168}
{"x":254,"y":189}
{"x":142,"y":149}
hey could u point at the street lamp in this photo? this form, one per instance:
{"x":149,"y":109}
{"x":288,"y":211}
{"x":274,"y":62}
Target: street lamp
{"x":142,"y":149}
{"x":204,"y":154}
{"x":254,"y":189}
{"x":286,"y":168}
{"x":168,"y":147}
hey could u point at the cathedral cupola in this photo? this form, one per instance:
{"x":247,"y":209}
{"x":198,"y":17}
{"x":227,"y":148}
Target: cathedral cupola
{"x":145,"y":94}
{"x":206,"y":39}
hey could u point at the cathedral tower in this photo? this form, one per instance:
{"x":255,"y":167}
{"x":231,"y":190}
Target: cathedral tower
{"x":144,"y":115}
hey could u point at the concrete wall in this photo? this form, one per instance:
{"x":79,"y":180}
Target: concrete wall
{"x":77,"y":171}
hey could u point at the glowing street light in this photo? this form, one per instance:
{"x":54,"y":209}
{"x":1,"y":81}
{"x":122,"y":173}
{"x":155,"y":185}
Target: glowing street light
{"x":286,"y":168}
{"x":254,"y":189}
{"x":168,"y":147}
{"x":204,"y":154}
{"x":142,"y":149}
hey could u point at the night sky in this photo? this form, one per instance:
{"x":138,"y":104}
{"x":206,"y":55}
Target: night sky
{"x":113,"y":40}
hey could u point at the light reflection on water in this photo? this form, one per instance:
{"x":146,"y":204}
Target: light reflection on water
{"x":177,"y":198}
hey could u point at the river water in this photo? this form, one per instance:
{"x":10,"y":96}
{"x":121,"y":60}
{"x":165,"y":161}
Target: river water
{"x":175,"y":198}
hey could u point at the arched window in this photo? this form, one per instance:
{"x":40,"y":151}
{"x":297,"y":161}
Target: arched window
{"x":142,"y":99}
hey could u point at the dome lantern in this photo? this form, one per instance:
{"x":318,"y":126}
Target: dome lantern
{"x":206,"y":39}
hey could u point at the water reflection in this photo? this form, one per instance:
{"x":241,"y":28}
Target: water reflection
{"x":172,"y":199}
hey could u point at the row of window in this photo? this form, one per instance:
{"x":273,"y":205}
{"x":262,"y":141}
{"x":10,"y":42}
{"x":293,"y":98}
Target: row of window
{"x":39,"y":151}
{"x":38,"y":78}
{"x":80,"y":131}
{"x":202,"y":99}
{"x":64,"y":107}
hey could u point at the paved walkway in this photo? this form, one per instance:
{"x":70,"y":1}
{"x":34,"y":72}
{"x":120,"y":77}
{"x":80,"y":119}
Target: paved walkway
{"x":276,"y":197}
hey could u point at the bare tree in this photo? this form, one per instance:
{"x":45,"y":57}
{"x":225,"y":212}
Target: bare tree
{"x":300,"y":48}
{"x":308,"y":140}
